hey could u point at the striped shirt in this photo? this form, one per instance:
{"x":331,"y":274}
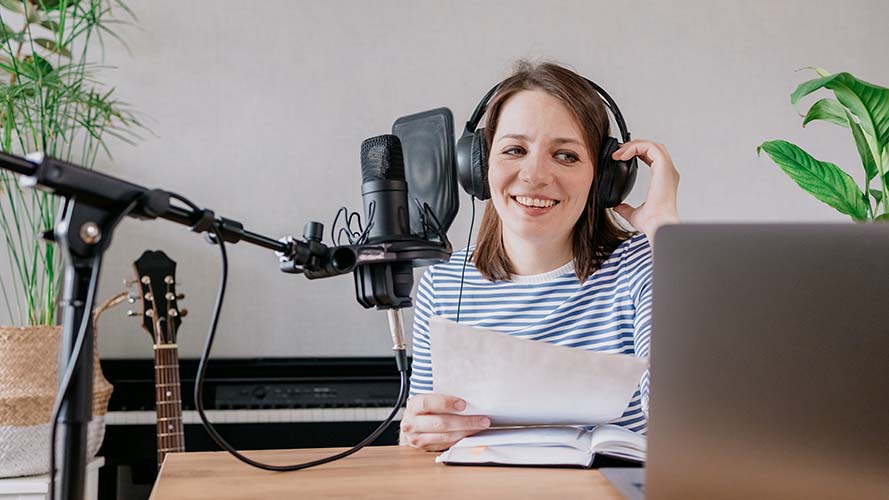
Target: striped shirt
{"x":609,"y":312}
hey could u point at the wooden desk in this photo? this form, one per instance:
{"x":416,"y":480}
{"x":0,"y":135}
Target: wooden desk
{"x":374,"y":472}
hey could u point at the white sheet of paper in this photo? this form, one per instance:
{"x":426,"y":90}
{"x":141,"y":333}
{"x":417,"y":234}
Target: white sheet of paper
{"x":516,"y":381}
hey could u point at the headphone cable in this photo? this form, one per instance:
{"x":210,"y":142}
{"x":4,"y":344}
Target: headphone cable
{"x":466,"y":256}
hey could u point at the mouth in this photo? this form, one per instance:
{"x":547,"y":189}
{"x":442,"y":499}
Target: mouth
{"x":534,"y":202}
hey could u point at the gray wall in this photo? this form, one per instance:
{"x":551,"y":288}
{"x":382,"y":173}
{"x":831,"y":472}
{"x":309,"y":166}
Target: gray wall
{"x":258,"y":110}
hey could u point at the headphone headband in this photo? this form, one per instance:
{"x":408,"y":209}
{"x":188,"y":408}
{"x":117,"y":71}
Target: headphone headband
{"x":476,"y":116}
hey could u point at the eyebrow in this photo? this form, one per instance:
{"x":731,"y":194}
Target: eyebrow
{"x":559,"y":140}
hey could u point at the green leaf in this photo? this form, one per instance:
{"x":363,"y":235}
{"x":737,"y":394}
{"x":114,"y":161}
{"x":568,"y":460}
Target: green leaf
{"x":50,"y":4}
{"x":828,"y":110}
{"x":868,"y":102}
{"x":824,"y":180}
{"x":867,"y":159}
{"x":52,"y":47}
{"x":877,"y":194}
{"x":50,"y":25}
{"x":35,"y":67}
{"x":13,"y":5}
{"x":882,"y":218}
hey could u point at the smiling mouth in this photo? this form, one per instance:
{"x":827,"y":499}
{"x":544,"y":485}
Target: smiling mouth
{"x":529,"y":202}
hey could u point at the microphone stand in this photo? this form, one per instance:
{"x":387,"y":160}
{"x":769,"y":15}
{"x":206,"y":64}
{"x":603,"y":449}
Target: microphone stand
{"x":94,"y":203}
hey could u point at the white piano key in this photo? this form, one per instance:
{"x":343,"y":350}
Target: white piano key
{"x":294,"y":415}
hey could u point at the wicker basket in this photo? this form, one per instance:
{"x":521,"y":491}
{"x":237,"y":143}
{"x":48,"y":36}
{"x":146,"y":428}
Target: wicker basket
{"x":29,"y":371}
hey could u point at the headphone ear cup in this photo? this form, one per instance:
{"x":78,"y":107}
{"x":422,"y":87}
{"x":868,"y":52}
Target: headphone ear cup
{"x":616,"y":177}
{"x":464,"y":162}
{"x":480,"y":166}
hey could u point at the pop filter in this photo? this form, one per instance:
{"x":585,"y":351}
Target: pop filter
{"x":427,"y":142}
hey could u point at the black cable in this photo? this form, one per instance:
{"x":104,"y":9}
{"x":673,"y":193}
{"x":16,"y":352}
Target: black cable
{"x":202,"y":368}
{"x":185,"y":200}
{"x":466,"y":257}
{"x":65,"y":380}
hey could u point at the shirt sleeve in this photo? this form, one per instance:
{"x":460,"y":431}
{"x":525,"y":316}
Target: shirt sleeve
{"x":638,"y":265}
{"x":421,"y":366}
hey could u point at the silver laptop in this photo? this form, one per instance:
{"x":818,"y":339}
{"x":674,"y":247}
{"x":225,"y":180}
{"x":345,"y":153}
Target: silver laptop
{"x":770,"y":363}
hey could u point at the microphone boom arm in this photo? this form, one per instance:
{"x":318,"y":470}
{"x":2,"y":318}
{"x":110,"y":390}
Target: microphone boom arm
{"x":94,"y":203}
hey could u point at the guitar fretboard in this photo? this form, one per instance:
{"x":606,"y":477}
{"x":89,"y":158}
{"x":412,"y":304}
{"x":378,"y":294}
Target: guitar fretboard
{"x":170,"y":436}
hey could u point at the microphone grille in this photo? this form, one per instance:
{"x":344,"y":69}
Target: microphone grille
{"x":382,"y":159}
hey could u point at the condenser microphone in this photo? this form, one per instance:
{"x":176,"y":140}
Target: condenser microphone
{"x":386,"y":285}
{"x":384,"y":190}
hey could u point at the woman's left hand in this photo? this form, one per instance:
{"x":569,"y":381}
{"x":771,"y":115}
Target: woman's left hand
{"x":659,"y":207}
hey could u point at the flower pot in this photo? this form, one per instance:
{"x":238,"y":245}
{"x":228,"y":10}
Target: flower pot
{"x":29,"y":372}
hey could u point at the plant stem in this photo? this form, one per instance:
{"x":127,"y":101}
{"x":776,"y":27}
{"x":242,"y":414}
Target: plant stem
{"x":878,"y":160}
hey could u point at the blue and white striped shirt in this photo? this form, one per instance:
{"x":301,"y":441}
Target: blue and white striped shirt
{"x":610,"y":312}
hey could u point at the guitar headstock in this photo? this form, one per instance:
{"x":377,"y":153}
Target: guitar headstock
{"x":156,"y":279}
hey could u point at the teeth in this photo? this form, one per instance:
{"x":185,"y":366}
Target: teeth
{"x":533,"y":202}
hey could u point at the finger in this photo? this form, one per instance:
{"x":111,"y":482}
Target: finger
{"x":435,"y":403}
{"x":438,"y":441}
{"x":647,"y":151}
{"x":624,"y":210}
{"x":448,"y":423}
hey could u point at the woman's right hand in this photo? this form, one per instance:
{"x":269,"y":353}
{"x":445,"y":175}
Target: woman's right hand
{"x":430,"y":422}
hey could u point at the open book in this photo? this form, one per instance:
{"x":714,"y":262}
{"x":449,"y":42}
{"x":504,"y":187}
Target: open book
{"x":562,"y":446}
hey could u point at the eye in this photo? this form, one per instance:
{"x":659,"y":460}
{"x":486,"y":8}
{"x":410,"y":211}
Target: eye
{"x":567,"y":157}
{"x":514,"y":150}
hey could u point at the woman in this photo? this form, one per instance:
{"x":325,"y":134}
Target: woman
{"x":551,"y":264}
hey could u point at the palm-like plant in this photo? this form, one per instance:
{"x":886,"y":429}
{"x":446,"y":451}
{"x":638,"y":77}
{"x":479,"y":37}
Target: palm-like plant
{"x":50,"y":102}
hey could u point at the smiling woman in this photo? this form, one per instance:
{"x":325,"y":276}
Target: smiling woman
{"x":545,"y":128}
{"x":551,"y":264}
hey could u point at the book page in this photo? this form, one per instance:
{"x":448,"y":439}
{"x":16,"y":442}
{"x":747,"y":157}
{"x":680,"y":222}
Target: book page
{"x":517,"y":381}
{"x":524,"y":446}
{"x":620,"y":442}
{"x":572,"y":437}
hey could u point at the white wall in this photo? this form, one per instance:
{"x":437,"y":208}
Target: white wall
{"x":258,"y":110}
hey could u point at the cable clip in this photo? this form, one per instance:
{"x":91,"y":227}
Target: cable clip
{"x":208,"y":218}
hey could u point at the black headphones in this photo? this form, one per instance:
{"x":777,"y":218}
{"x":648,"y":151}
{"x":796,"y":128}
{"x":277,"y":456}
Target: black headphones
{"x":614,"y":178}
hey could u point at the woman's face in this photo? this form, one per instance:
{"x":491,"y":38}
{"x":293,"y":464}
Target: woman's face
{"x":540,"y":170}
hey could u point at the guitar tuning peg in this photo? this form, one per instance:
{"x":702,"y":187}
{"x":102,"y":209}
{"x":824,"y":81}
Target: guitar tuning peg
{"x":183,"y":313}
{"x":131,"y":298}
{"x":132,"y":313}
{"x":180,"y":296}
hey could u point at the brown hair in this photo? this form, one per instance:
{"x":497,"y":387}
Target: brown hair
{"x":596,"y":233}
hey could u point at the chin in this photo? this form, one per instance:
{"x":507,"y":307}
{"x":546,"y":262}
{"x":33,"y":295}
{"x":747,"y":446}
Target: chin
{"x":536,"y":233}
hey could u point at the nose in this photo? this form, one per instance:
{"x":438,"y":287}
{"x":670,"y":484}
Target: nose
{"x":535,"y":170}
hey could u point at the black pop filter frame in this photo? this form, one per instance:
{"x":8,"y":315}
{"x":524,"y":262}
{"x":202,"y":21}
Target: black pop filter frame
{"x":427,"y":142}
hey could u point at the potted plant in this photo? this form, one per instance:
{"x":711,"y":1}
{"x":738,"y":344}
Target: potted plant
{"x":863,"y":108}
{"x":50,"y":101}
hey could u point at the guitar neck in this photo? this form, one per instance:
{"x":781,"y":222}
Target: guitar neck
{"x":170,"y":436}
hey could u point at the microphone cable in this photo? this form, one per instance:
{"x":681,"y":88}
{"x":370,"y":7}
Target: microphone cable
{"x":401,"y":357}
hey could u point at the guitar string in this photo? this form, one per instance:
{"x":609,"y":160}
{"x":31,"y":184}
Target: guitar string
{"x":158,"y":370}
{"x":169,"y":426}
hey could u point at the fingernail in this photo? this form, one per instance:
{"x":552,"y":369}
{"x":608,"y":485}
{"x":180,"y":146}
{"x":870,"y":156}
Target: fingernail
{"x":460,"y":405}
{"x":484,"y":422}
